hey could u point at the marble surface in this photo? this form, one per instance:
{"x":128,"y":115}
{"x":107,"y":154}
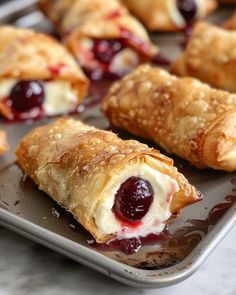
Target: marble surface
{"x":28,"y":268}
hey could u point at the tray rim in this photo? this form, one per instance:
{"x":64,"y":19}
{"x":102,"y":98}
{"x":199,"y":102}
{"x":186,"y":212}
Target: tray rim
{"x":121,"y":272}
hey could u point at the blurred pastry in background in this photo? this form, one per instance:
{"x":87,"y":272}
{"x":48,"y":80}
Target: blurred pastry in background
{"x":3,"y":142}
{"x":106,"y":40}
{"x":210,"y":56}
{"x":38,"y":76}
{"x":230,"y":24}
{"x":170,"y":15}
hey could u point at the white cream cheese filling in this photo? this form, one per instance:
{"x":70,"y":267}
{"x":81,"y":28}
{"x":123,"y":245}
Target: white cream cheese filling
{"x":124,"y":61}
{"x":159,"y":211}
{"x":176,"y":15}
{"x":59,"y":95}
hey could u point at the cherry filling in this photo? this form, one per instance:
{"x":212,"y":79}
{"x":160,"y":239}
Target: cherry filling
{"x":133,"y":199}
{"x":26,"y":95}
{"x":188,"y":9}
{"x":105,"y":50}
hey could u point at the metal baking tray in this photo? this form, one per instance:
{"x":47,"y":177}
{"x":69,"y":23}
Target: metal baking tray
{"x":193,"y":236}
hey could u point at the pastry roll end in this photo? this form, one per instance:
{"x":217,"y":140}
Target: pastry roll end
{"x":114,"y":188}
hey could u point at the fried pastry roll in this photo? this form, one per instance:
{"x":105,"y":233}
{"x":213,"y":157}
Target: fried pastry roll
{"x":169,"y":15}
{"x":115,"y":188}
{"x":210,"y":56}
{"x":38,"y":76}
{"x":182,"y":115}
{"x":102,"y":35}
{"x":3,"y":142}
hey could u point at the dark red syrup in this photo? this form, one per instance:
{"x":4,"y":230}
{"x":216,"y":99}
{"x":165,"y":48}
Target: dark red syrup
{"x":129,"y":246}
{"x":56,"y":70}
{"x":175,"y":245}
{"x":161,"y":60}
{"x":187,"y":33}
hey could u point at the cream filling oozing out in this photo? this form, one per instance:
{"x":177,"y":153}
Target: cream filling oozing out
{"x":154,"y":220}
{"x":59,"y":95}
{"x":176,"y":15}
{"x":123,"y":62}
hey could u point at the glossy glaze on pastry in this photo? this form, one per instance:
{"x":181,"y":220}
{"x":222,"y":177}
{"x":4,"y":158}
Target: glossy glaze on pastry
{"x":210,"y":56}
{"x":106,"y":40}
{"x":170,"y":15}
{"x":182,"y":115}
{"x":115,"y":188}
{"x":38,"y":76}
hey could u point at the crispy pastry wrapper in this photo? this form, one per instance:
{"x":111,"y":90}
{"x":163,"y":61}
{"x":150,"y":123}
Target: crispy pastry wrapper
{"x":27,"y":55}
{"x":3,"y":142}
{"x":74,"y":163}
{"x":182,"y":115}
{"x":210,"y":57}
{"x":163,"y":15}
{"x":96,"y":19}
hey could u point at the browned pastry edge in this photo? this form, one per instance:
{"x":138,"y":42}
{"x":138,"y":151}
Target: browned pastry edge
{"x":209,"y":57}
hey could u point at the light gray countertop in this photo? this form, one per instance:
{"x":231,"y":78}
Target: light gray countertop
{"x":28,"y":268}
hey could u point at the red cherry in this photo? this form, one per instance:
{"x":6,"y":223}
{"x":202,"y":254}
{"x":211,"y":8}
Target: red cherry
{"x":188,"y":9}
{"x":133,"y":199}
{"x":105,"y":50}
{"x":26,"y":95}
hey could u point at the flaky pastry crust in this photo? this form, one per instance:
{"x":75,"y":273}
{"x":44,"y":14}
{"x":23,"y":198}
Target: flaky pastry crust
{"x":76,"y":20}
{"x":157,"y":15}
{"x":28,"y":55}
{"x":210,"y":56}
{"x":182,"y":115}
{"x":73,"y":163}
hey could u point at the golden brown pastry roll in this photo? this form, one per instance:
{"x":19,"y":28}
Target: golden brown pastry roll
{"x":102,"y":35}
{"x":169,"y":15}
{"x":210,"y":56}
{"x":182,"y":115}
{"x":38,"y":76}
{"x":115,"y":188}
{"x":3,"y":142}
